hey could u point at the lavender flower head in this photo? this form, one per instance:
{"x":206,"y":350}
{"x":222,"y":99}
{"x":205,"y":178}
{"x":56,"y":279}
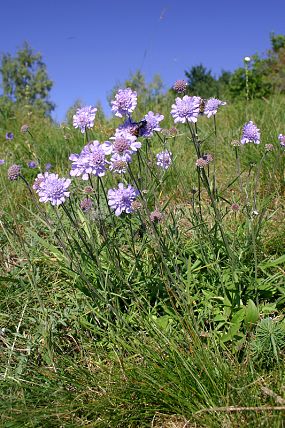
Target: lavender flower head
{"x":164,"y":159}
{"x":14,"y":172}
{"x":32,"y":164}
{"x":281,"y":139}
{"x":52,"y":189}
{"x":151,"y":124}
{"x":118,"y":164}
{"x":9,"y":135}
{"x":2,"y":161}
{"x":204,"y":160}
{"x":130,"y":127}
{"x":91,"y":160}
{"x":48,"y":166}
{"x":24,"y":128}
{"x":84,"y":118}
{"x":39,"y":179}
{"x":212,"y":105}
{"x":86,"y":204}
{"x":124,"y":144}
{"x":155,"y":216}
{"x":250,"y":133}
{"x":186,"y":109}
{"x":180,"y":86}
{"x":121,"y":199}
{"x":125,"y":102}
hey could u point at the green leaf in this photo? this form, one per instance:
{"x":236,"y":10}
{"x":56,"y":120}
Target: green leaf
{"x":251,"y":313}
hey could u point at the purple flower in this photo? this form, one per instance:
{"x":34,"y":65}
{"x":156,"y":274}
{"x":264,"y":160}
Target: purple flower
{"x":52,"y":189}
{"x":84,"y":118}
{"x":24,"y":128}
{"x":118,"y":164}
{"x":281,"y":139}
{"x":32,"y":164}
{"x":151,"y":124}
{"x":180,"y":86}
{"x":130,"y":127}
{"x":155,"y":216}
{"x":39,"y":179}
{"x":2,"y":161}
{"x":186,"y":108}
{"x":86,"y":204}
{"x":163,"y":159}
{"x":48,"y":166}
{"x":125,"y":102}
{"x":212,"y":106}
{"x":120,"y":199}
{"x":250,"y":133}
{"x":124,"y":144}
{"x":14,"y":172}
{"x":204,"y":160}
{"x":91,"y":160}
{"x":9,"y":135}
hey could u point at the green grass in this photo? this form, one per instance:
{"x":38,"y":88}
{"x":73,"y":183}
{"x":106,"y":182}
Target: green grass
{"x":150,"y":352}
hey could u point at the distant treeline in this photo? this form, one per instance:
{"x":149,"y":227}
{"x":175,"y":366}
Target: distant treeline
{"x":25,"y":81}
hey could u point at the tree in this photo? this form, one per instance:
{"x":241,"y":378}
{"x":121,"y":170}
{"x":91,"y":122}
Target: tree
{"x":201,"y":82}
{"x":25,"y":79}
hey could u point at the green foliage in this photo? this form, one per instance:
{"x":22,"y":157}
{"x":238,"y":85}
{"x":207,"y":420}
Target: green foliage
{"x":201,"y":82}
{"x":118,"y":321}
{"x":25,"y":79}
{"x":259,"y":84}
{"x":269,"y":342}
{"x":277,"y":41}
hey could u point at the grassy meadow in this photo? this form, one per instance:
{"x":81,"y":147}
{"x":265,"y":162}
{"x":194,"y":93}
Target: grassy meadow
{"x":165,"y":320}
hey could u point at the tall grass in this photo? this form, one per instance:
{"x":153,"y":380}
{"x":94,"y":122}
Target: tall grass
{"x":123,"y":322}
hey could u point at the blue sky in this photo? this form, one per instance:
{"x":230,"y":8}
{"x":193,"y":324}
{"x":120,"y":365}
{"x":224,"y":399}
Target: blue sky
{"x":91,"y":45}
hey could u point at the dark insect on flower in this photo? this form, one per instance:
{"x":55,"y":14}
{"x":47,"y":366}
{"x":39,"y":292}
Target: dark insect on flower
{"x":137,"y":127}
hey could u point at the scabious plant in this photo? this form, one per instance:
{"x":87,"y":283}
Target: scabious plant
{"x":2,"y":161}
{"x":124,"y":144}
{"x":204,"y":160}
{"x":250,"y":133}
{"x":84,"y":118}
{"x":180,"y":86}
{"x":48,"y":166}
{"x":120,"y":200}
{"x":118,"y":164}
{"x":281,"y":139}
{"x":14,"y":172}
{"x":24,"y":128}
{"x":51,"y":188}
{"x":164,"y":159}
{"x":125,"y":102}
{"x":91,"y":161}
{"x":186,"y":109}
{"x":86,"y":204}
{"x":212,"y":106}
{"x":9,"y":136}
{"x":32,"y":164}
{"x":39,"y":179}
{"x":151,"y":124}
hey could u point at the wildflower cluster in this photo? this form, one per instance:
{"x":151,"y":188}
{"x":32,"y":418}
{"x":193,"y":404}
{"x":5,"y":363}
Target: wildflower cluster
{"x":116,"y":154}
{"x":84,"y":118}
{"x":250,"y":133}
{"x":51,"y":188}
